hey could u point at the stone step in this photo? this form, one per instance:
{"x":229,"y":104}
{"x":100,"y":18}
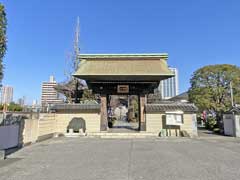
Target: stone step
{"x":72,"y":134}
{"x":122,"y":135}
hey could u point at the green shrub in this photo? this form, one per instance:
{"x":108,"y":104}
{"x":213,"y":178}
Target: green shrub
{"x":199,"y":120}
{"x":211,"y":123}
{"x":14,"y":107}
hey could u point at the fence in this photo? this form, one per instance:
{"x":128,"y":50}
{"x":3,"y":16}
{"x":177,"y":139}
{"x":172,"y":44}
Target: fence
{"x":9,"y":136}
{"x":33,"y":127}
{"x":18,"y":129}
{"x":231,"y":125}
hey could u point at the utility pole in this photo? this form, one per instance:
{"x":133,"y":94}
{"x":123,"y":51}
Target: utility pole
{"x":231,"y":91}
{"x":76,"y":60}
{"x":76,"y":44}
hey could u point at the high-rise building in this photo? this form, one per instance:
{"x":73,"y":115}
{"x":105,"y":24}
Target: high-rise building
{"x":22,"y":101}
{"x":49,"y":94}
{"x":35,"y":103}
{"x":169,"y":87}
{"x":6,"y":95}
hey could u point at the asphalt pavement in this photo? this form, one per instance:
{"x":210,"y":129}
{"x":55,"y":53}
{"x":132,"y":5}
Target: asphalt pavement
{"x":125,"y":159}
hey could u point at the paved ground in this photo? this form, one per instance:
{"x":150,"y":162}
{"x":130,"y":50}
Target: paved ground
{"x":152,"y":159}
{"x":124,"y":126}
{"x":207,"y":133}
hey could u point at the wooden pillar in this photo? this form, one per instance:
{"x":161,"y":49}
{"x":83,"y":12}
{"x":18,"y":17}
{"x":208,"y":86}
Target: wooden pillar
{"x":104,"y":122}
{"x":142,"y":121}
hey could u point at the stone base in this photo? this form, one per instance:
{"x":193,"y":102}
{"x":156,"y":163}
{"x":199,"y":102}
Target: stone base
{"x":131,"y":135}
{"x":45,"y":137}
{"x":71,"y":133}
{"x":143,"y":126}
{"x":74,"y":134}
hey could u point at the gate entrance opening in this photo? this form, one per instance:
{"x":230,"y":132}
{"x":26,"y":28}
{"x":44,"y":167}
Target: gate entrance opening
{"x":123,"y":113}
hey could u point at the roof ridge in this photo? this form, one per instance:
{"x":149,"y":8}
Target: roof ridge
{"x":133,"y":55}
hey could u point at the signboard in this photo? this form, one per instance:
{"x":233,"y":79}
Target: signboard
{"x":122,"y":89}
{"x":174,"y":118}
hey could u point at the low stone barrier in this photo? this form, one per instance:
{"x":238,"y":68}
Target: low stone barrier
{"x":2,"y":155}
{"x":65,"y":113}
{"x":157,"y":119}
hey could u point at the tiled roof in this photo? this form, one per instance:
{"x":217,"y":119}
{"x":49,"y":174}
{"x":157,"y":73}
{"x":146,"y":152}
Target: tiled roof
{"x":76,"y":107}
{"x":236,"y":109}
{"x":182,"y":96}
{"x":117,"y":66}
{"x":171,"y":106}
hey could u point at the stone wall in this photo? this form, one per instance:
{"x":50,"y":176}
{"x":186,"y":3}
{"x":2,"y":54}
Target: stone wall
{"x":91,"y":118}
{"x":156,"y":122}
{"x":30,"y":131}
{"x":50,"y":124}
{"x":46,"y":126}
{"x":38,"y":129}
{"x":188,"y":124}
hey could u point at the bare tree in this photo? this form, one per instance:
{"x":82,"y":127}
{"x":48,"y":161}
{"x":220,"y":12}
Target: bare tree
{"x":72,"y":87}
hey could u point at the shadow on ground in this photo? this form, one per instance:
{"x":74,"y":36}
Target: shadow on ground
{"x":8,"y":161}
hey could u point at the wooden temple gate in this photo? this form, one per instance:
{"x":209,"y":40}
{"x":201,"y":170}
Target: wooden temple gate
{"x":122,"y":88}
{"x":123,"y":74}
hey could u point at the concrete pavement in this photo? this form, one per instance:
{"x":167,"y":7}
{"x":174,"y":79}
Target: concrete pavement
{"x":123,"y":159}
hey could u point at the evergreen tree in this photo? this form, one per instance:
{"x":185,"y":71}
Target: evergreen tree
{"x":3,"y":39}
{"x":210,"y":88}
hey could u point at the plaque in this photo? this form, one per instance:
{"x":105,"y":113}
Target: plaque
{"x":122,"y":89}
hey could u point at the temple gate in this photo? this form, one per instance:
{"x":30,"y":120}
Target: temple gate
{"x":123,"y":74}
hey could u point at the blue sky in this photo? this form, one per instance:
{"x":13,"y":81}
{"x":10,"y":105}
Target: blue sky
{"x":41,"y":33}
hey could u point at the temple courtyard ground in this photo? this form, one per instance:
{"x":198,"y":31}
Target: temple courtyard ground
{"x":122,"y":159}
